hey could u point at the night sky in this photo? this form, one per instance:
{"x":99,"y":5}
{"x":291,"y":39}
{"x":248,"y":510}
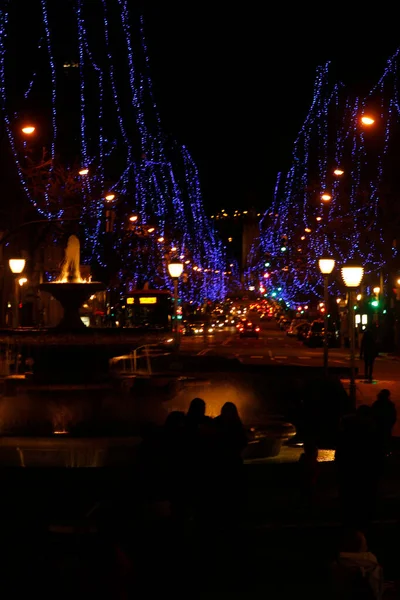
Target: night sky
{"x":235,"y":84}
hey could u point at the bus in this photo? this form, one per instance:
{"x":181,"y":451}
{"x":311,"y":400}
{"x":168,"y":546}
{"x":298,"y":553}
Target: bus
{"x":149,"y":309}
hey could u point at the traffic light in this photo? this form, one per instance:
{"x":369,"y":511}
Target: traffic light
{"x":375,"y":297}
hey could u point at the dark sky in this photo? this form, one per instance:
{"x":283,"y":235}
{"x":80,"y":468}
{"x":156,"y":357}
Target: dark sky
{"x":234,"y":82}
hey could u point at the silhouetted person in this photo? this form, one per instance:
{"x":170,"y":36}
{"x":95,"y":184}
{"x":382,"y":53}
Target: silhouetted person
{"x":309,"y":469}
{"x":384,"y":414}
{"x":358,"y":461}
{"x":196,"y":413}
{"x":173,"y":452}
{"x":368,"y":351}
{"x":231,"y":440}
{"x":357,"y":575}
{"x":198,"y":453}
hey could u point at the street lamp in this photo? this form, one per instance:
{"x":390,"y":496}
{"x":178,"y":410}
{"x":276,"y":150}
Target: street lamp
{"x":175,"y":269}
{"x":326,"y":197}
{"x":326,"y":266}
{"x":338,"y":172}
{"x":83,"y":172}
{"x":17,"y":265}
{"x":366,"y":120}
{"x":110,"y":197}
{"x":352,"y":274}
{"x":28,"y":130}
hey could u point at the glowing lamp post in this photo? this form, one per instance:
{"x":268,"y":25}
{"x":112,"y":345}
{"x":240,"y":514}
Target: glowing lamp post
{"x":17,"y":265}
{"x":326,"y":266}
{"x":325,"y":197}
{"x":28,"y":130}
{"x":175,"y":269}
{"x":352,"y":274}
{"x":366,"y":120}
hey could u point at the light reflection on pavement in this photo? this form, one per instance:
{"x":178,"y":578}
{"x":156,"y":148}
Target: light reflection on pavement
{"x":291,"y":454}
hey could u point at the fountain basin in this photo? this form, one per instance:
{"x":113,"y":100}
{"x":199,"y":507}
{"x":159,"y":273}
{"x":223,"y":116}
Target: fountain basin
{"x":63,"y":451}
{"x":265,"y":440}
{"x":71,"y":297}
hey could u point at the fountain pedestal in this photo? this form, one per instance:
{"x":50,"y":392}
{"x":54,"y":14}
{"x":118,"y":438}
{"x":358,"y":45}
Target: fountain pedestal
{"x":71,"y":297}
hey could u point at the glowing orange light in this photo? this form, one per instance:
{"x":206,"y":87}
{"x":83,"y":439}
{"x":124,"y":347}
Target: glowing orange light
{"x":365,"y":120}
{"x":83,"y":171}
{"x":151,"y":229}
{"x":110,"y":197}
{"x":28,"y":130}
{"x":338,"y":172}
{"x":160,"y":239}
{"x":326,"y":197}
{"x":133,"y":218}
{"x":319,"y":218}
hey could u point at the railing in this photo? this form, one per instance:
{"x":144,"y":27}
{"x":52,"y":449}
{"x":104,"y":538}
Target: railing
{"x":131,"y":362}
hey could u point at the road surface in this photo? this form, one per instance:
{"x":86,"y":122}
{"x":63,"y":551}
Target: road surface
{"x":275,"y":347}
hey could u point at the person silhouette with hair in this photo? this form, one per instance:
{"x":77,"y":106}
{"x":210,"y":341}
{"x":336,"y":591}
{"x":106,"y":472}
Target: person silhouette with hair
{"x":198,"y":456}
{"x":359,"y":465}
{"x":357,"y":575}
{"x":173,"y":449}
{"x":196,"y":413}
{"x":231,"y":440}
{"x":368,"y":350}
{"x":385,"y":415}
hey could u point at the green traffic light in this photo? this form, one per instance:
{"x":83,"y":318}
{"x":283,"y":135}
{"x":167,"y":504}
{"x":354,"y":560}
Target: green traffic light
{"x":375,"y":303}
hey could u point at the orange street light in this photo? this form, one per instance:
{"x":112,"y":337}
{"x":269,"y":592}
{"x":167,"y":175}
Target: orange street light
{"x":319,"y":218}
{"x":160,"y":239}
{"x":338,"y":172}
{"x":133,"y":218}
{"x":110,"y":197}
{"x":326,"y":197}
{"x":28,"y":130}
{"x":151,"y":229}
{"x":365,"y":120}
{"x":83,"y":171}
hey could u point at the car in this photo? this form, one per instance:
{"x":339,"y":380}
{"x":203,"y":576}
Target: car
{"x":302,"y":331}
{"x":294,"y":327}
{"x":249,"y":330}
{"x":315,"y":335}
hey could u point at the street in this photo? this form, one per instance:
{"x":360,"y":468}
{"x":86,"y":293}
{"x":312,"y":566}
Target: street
{"x":275,"y":347}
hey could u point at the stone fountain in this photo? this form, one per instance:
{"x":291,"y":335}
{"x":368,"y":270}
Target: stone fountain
{"x":70,"y":289}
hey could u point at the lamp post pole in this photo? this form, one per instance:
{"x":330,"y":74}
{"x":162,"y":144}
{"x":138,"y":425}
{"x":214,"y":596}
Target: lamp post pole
{"x":175,"y":269}
{"x":326,"y":339}
{"x":16,"y":303}
{"x":352,"y":274}
{"x":352,"y":350}
{"x":176,"y":328}
{"x":17,"y":265}
{"x":326,"y":266}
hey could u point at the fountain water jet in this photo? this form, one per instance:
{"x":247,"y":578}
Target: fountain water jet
{"x":70,"y":289}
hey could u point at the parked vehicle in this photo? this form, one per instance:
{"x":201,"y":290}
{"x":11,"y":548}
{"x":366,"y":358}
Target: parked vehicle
{"x":294,"y":327}
{"x":302,"y":331}
{"x":315,"y":335}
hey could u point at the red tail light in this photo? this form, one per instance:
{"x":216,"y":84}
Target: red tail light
{"x":257,"y":329}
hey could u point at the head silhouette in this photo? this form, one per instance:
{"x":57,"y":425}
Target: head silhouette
{"x":354,"y":541}
{"x":197,"y":409}
{"x":229,"y":412}
{"x":384,"y":395}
